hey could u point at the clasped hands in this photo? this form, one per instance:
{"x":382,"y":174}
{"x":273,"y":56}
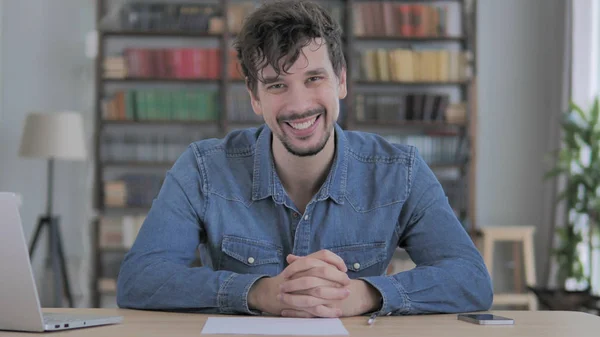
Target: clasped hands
{"x":313,"y":286}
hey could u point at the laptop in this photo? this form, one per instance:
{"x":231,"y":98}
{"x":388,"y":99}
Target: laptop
{"x":20,"y":308}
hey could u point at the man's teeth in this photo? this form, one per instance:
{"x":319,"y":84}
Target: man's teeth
{"x":302,"y":126}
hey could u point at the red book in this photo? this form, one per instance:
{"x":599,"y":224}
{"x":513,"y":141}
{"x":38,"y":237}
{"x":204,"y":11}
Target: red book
{"x":145,"y":62}
{"x":188,"y":63}
{"x":197,"y":66}
{"x":177,"y":63}
{"x":130,"y":61}
{"x":170,"y":70}
{"x":160,"y":66}
{"x":214,"y":64}
{"x":406,"y":28}
{"x":419,"y":20}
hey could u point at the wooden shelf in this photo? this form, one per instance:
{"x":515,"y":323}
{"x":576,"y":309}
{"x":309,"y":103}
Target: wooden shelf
{"x":416,"y":1}
{"x":160,"y":122}
{"x":113,"y":249}
{"x":127,"y":209}
{"x":116,"y":164}
{"x":138,"y":33}
{"x":394,"y":83}
{"x":411,"y":39}
{"x":162,"y":80}
{"x":441,"y":166}
{"x":395,"y":124}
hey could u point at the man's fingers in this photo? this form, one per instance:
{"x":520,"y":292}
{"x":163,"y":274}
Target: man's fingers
{"x":328,"y":293}
{"x":296,"y":313}
{"x":305,"y":283}
{"x":318,"y":311}
{"x":325,"y":272}
{"x":301,"y":301}
{"x":291,"y":258}
{"x":331,"y":258}
{"x":313,"y":267}
{"x":325,"y":311}
{"x":325,"y":256}
{"x":301,"y":265}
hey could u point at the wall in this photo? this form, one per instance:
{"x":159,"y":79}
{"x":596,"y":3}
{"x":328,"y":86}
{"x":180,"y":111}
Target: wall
{"x":520,"y":81}
{"x":45,"y":69}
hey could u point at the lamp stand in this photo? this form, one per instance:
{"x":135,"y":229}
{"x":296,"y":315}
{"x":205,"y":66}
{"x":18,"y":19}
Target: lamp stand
{"x":55,"y":248}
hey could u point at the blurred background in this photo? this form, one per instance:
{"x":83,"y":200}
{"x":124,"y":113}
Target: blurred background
{"x":497,"y":95}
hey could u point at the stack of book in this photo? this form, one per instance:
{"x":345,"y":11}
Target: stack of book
{"x":163,"y":105}
{"x":439,"y":150}
{"x":406,"y":65}
{"x":152,"y":16}
{"x":386,"y":18}
{"x":401,"y":107}
{"x":115,"y":67}
{"x":150,"y":147}
{"x":456,"y":113}
{"x":132,"y":190}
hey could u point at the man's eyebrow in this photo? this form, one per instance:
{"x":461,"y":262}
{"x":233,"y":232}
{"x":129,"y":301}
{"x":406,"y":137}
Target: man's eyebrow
{"x":317,"y":71}
{"x":266,"y":80}
{"x":270,"y":79}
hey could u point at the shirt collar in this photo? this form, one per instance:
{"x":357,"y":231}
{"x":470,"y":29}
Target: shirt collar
{"x":265,"y":182}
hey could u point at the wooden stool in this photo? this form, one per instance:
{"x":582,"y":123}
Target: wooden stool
{"x":523,"y":234}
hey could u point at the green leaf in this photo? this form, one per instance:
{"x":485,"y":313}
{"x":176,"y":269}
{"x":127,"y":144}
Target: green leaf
{"x":594,"y":114}
{"x":578,"y":109}
{"x":554,"y":172}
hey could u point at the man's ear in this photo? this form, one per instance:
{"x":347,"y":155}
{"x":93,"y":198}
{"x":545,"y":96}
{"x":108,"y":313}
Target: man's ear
{"x":254,"y":100}
{"x":342,"y":88}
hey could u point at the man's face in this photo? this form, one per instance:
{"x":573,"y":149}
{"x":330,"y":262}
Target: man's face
{"x":301,"y":106}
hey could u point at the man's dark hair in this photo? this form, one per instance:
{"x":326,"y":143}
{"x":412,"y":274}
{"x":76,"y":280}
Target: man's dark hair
{"x":277,"y":31}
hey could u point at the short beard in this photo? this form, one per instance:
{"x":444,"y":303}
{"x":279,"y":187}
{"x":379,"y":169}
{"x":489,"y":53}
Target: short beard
{"x":311,"y":151}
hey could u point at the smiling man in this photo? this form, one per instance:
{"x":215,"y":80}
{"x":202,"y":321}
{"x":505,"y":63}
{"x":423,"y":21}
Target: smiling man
{"x":299,"y":217}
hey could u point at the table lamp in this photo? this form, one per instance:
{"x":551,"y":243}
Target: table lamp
{"x":53,"y":136}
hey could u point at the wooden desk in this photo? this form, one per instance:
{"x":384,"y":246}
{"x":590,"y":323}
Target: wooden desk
{"x":527,"y":323}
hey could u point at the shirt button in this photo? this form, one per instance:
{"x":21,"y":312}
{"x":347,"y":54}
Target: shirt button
{"x":251,"y":260}
{"x":295,"y":215}
{"x":306,"y":217}
{"x":356,"y":265}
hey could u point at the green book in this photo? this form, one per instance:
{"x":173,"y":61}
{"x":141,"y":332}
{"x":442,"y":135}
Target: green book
{"x":161,"y":105}
{"x":141,"y":105}
{"x":191,"y":106}
{"x":130,"y":105}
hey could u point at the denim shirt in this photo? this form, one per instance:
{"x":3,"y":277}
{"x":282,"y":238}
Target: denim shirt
{"x":224,"y":199}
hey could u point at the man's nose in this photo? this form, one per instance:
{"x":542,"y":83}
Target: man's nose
{"x":299,"y":99}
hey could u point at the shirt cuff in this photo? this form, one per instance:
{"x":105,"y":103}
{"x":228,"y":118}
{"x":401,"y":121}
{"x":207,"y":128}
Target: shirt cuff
{"x":233,"y":294}
{"x":395,"y":298}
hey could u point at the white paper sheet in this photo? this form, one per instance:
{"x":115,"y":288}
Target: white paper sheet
{"x":274,"y":326}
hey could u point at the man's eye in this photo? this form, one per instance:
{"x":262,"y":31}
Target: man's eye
{"x":275,"y":86}
{"x":314,"y":78}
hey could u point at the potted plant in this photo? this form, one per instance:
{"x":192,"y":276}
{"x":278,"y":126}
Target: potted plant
{"x":578,"y":161}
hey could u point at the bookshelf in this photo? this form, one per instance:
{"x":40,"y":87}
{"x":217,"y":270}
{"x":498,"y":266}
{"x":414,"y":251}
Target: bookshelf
{"x":148,"y":111}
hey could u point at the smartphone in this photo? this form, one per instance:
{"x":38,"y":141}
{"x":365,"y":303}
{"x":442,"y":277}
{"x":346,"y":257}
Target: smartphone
{"x":486,"y":319}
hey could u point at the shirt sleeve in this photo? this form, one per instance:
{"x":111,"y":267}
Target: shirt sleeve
{"x":450,"y":275}
{"x":157,"y":273}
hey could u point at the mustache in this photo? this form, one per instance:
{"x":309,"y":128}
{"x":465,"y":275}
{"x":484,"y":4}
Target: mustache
{"x":293,"y":116}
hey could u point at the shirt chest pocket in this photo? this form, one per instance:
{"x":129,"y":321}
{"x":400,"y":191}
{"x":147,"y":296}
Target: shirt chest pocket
{"x":363,"y":259}
{"x":248,"y":256}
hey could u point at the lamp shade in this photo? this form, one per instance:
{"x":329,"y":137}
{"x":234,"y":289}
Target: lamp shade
{"x":57,"y":136}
